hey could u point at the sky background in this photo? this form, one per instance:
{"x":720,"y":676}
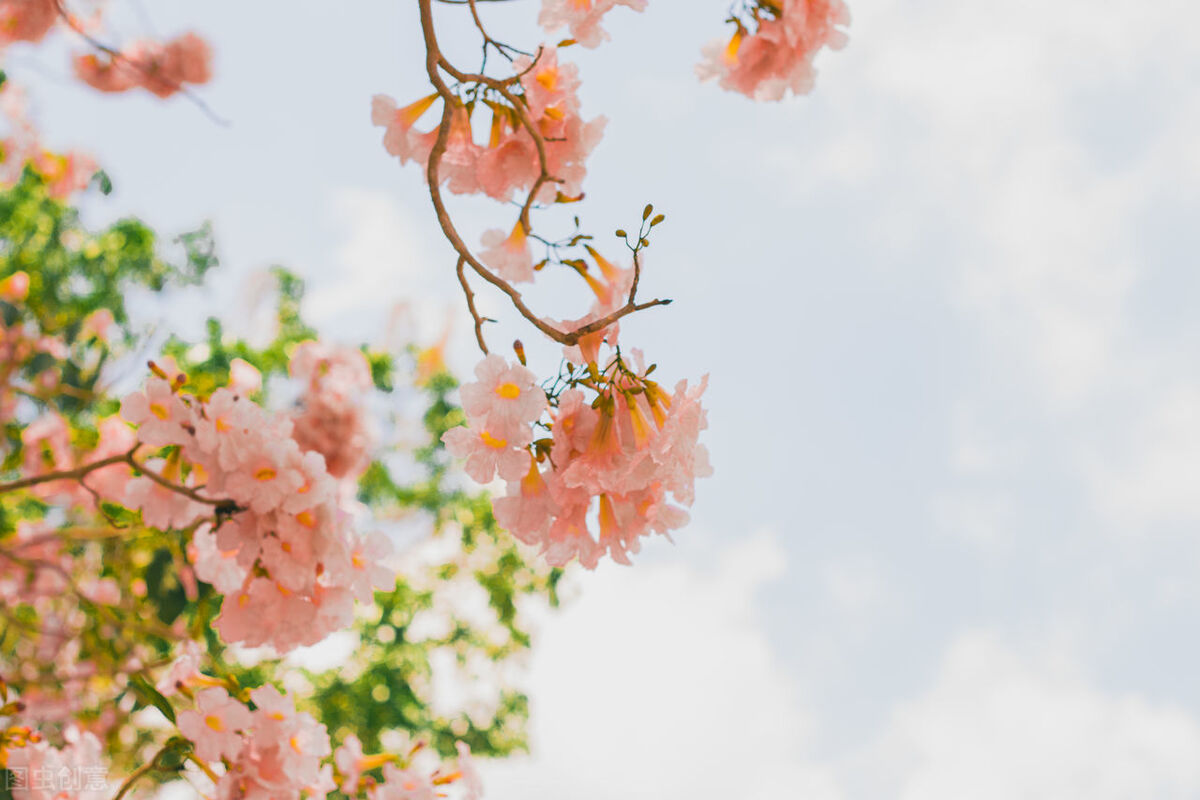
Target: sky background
{"x":948,"y":305}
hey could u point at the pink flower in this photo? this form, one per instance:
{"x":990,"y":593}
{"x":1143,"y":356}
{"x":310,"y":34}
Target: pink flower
{"x":472,"y":783}
{"x":508,"y":164}
{"x":405,"y":784}
{"x":65,"y":174}
{"x":161,"y":416}
{"x":488,"y":452}
{"x":582,"y":17}
{"x":459,"y":164}
{"x":348,"y":759}
{"x":26,"y":20}
{"x":244,"y":377}
{"x":183,"y":670}
{"x":161,"y":507}
{"x":213,"y":565}
{"x":105,"y":75}
{"x":226,"y":430}
{"x":399,"y":139}
{"x":97,"y":324}
{"x":367,"y":559}
{"x":550,"y":87}
{"x":215,"y":726}
{"x":268,"y":475}
{"x":504,"y":397}
{"x":508,"y":255}
{"x":528,"y":508}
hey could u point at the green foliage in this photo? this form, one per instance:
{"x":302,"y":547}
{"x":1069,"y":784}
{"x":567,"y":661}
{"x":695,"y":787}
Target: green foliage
{"x":74,"y":272}
{"x":208,"y":365}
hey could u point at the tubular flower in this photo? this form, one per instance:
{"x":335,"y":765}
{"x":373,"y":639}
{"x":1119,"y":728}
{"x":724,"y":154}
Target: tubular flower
{"x":582,"y":17}
{"x":508,"y":255}
{"x":510,"y":162}
{"x":777,"y":55}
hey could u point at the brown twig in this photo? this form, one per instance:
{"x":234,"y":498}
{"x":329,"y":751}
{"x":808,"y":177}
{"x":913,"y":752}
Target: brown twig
{"x":64,"y":475}
{"x":79,"y":473}
{"x":435,"y":63}
{"x":470,"y":294}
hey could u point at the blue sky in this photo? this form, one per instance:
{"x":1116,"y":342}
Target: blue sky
{"x":948,"y":307}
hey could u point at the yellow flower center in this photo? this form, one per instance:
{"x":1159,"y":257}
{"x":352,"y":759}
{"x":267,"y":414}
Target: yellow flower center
{"x":222,"y":425}
{"x":492,"y":441}
{"x":264,"y":474}
{"x":548,"y":78}
{"x":159,"y":410}
{"x":214,"y":722}
{"x":509,"y":391}
{"x":306,"y":519}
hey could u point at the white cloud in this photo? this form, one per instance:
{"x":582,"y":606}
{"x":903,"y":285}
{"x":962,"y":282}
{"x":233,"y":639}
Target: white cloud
{"x":382,"y":259}
{"x":985,"y":126}
{"x":996,"y":725}
{"x":1153,"y":471}
{"x":660,"y":682}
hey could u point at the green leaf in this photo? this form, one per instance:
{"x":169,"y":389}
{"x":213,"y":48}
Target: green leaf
{"x":150,"y":696}
{"x":103,"y":182}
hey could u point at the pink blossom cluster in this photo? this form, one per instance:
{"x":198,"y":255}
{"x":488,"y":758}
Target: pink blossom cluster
{"x":273,"y":752}
{"x":582,"y":17}
{"x":426,"y":780}
{"x":76,"y":771}
{"x":622,"y":455}
{"x":510,"y":162}
{"x":161,"y":68}
{"x":333,"y":418}
{"x":288,"y":561}
{"x":778,"y":55}
{"x":626,"y":459}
